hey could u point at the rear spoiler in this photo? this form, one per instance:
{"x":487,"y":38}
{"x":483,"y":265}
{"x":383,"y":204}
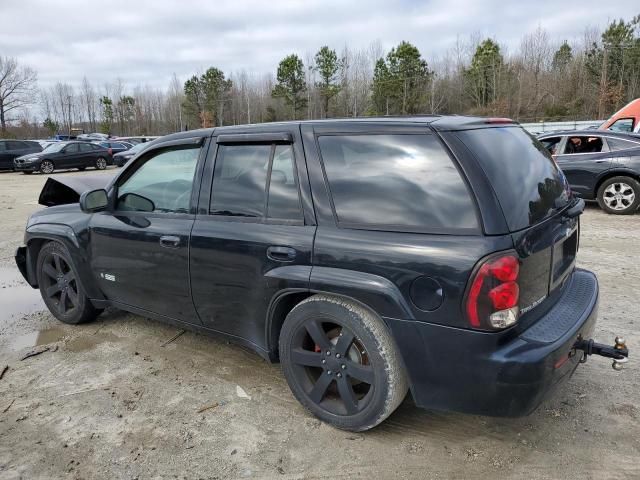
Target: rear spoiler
{"x":62,"y":190}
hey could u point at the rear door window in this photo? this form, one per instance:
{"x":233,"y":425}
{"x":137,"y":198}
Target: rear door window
{"x":529,"y":185}
{"x":584,"y":144}
{"x":616,"y":144}
{"x":239,"y":180}
{"x":401,"y":182}
{"x":243,"y":174}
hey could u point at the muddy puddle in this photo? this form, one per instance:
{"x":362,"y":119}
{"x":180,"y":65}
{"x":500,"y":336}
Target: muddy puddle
{"x":16,"y":297}
{"x":36,"y":339}
{"x":72,"y":343}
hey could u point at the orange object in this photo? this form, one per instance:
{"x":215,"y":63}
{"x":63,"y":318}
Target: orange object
{"x":627,"y":119}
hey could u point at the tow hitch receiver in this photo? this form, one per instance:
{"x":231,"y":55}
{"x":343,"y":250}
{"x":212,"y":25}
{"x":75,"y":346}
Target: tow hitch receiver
{"x":619,"y":352}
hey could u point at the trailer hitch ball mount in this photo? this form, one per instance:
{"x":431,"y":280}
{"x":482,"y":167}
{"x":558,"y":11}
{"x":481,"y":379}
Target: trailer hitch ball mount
{"x":618,"y":352}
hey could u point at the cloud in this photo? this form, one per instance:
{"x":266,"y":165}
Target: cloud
{"x":144,"y":42}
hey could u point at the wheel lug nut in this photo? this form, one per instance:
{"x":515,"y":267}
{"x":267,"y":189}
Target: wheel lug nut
{"x":339,"y":375}
{"x":328,"y":352}
{"x":337,"y":355}
{"x":324,"y":361}
{"x":329,"y":372}
{"x":343,"y":366}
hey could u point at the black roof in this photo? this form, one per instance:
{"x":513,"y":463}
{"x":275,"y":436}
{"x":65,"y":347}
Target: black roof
{"x":438,"y":122}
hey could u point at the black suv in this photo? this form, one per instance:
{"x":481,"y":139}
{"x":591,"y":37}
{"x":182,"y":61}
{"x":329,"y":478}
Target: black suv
{"x":10,"y":149}
{"x":368,"y":256}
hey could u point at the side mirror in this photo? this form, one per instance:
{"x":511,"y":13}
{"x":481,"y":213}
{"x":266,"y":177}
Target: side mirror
{"x":135,"y":202}
{"x":94,"y":201}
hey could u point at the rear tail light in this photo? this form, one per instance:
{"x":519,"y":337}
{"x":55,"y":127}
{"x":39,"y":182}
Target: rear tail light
{"x":492,"y":300}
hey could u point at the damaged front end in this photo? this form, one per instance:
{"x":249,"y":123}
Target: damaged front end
{"x":63,"y":190}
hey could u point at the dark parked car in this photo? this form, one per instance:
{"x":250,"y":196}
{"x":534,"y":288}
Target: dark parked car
{"x":602,"y":166}
{"x":11,"y":149}
{"x":368,"y":256}
{"x":121,"y":158}
{"x":64,"y":155}
{"x":115,"y":147}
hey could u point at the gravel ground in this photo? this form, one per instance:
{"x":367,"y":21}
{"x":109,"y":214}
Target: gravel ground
{"x":111,"y":400}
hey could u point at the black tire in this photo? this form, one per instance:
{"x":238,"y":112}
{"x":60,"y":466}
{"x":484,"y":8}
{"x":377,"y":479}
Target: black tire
{"x":27,"y":172}
{"x":47,"y":167}
{"x":101,"y":163}
{"x":341,"y":362}
{"x":619,"y":195}
{"x":60,"y":286}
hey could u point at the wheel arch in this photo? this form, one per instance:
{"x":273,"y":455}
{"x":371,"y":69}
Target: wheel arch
{"x":614,"y":173}
{"x":371,"y":292}
{"x":40,"y":234}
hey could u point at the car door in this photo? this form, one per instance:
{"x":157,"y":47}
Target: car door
{"x":140,"y":246}
{"x":6,"y":159}
{"x":86,"y":157}
{"x":68,"y":157}
{"x":583,"y":159}
{"x":251,"y":230}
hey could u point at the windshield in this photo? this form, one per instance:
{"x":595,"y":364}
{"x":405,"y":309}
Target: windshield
{"x":526,"y":180}
{"x":54,"y":147}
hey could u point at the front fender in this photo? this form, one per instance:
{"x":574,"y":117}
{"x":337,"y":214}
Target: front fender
{"x":40,"y":233}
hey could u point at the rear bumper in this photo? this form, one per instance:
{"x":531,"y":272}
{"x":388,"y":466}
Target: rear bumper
{"x":498,"y":374}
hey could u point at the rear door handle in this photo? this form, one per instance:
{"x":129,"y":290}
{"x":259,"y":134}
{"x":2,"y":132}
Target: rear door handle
{"x":281,"y":254}
{"x":169,"y":241}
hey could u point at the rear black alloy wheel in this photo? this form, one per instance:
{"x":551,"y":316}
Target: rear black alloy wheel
{"x":101,"y":163}
{"x":60,"y":286}
{"x":619,"y":195}
{"x":47,"y":166}
{"x":341,"y":363}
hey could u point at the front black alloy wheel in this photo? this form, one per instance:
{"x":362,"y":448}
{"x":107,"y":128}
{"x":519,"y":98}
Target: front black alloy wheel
{"x":341,"y":363}
{"x":60,"y":286}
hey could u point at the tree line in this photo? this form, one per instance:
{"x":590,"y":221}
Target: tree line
{"x":542,"y":79}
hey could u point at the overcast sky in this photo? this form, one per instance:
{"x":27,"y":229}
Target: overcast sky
{"x":145,"y":41}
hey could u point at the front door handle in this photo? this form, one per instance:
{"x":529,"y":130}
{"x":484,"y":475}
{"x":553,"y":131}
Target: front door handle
{"x":169,"y":241}
{"x":281,"y":254}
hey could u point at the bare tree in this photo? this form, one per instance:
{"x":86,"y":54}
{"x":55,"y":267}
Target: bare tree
{"x":17,"y":88}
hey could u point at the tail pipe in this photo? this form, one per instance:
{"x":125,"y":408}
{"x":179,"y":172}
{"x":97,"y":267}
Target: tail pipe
{"x":619,"y":352}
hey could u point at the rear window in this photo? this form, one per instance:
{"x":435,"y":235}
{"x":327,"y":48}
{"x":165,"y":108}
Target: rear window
{"x":406,"y":182}
{"x":616,"y":144}
{"x":527,"y":182}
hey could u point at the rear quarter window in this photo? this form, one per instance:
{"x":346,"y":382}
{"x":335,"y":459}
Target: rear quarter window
{"x":397,"y":182}
{"x":526,"y":180}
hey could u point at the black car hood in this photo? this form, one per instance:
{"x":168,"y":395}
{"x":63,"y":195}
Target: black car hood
{"x":62,"y":190}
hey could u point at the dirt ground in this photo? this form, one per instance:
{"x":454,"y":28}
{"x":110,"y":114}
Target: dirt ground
{"x":114,"y":400}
